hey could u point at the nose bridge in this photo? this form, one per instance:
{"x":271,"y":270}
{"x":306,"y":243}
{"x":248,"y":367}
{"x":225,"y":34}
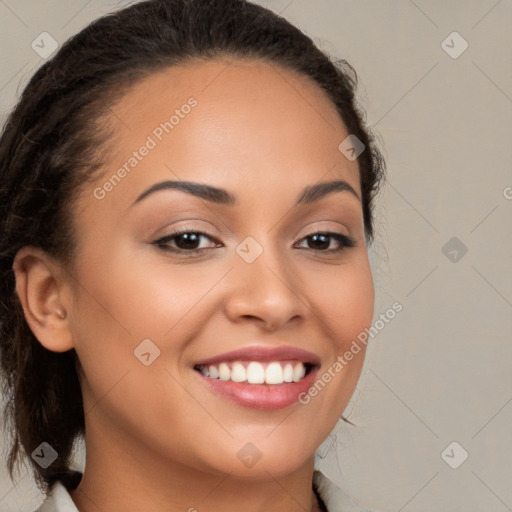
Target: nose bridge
{"x":263,"y":283}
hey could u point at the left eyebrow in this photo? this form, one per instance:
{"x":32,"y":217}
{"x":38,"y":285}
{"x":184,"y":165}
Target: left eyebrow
{"x":315,"y":192}
{"x":217,"y":195}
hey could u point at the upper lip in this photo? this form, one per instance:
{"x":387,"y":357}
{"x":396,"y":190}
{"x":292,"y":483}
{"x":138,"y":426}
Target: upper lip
{"x":260,"y":353}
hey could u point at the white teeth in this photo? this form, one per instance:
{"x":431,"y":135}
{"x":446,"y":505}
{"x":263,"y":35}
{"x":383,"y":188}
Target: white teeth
{"x":238,"y":373}
{"x":255,"y":373}
{"x":224,"y":372}
{"x":287,"y":373}
{"x":298,"y":372}
{"x":274,"y":374}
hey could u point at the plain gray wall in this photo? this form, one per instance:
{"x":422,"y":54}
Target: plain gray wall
{"x":441,"y":370}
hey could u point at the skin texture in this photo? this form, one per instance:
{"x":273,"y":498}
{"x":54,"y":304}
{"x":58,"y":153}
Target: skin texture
{"x":157,"y":437}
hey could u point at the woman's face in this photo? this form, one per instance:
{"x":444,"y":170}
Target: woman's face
{"x":262,"y":295}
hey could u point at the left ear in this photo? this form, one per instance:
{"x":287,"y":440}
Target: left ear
{"x":41,"y":291}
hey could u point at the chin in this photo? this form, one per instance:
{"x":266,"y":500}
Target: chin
{"x":265,"y":458}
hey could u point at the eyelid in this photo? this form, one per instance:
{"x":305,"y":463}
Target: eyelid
{"x":185,"y":229}
{"x":345,"y":242}
{"x":172,"y":229}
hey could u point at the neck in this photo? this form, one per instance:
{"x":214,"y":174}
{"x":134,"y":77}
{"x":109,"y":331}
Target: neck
{"x":123,"y":476}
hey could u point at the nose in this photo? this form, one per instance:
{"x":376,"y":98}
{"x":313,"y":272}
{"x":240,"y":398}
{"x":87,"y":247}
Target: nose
{"x":265,"y":291}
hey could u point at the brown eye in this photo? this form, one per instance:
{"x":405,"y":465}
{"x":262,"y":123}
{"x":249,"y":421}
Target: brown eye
{"x":184,"y":241}
{"x":321,"y":242}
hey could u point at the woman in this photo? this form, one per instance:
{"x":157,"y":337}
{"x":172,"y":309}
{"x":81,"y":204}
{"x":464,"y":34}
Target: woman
{"x":188,"y":193}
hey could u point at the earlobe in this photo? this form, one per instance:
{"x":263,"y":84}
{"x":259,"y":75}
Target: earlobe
{"x":40,"y":292}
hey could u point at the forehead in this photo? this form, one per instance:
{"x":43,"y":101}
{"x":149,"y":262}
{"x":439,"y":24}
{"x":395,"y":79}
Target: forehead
{"x":228,"y":81}
{"x":246,"y":123}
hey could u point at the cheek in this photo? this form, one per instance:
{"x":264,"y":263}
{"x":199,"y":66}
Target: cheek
{"x":125,"y":300}
{"x":344,"y":299}
{"x":344,"y":305}
{"x":122,"y":301}
{"x":136,"y":295}
{"x":357,"y":301}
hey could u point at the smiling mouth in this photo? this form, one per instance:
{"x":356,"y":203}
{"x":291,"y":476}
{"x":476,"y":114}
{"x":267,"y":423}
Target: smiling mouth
{"x":256,"y":372}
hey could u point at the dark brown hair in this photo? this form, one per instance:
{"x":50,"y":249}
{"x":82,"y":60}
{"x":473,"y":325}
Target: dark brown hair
{"x":55,"y":139}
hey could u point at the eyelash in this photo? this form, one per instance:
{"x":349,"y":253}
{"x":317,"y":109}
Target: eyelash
{"x":345,"y":241}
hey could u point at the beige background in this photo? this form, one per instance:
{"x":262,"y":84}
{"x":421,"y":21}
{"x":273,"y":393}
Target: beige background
{"x":441,"y":371}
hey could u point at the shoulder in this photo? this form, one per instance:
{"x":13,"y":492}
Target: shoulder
{"x":335,"y":499}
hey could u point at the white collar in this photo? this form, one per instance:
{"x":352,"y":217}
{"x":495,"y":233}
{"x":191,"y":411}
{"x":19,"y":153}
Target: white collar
{"x":335,"y":499}
{"x":59,"y":500}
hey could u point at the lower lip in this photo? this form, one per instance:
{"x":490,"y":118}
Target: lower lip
{"x":261,"y":396}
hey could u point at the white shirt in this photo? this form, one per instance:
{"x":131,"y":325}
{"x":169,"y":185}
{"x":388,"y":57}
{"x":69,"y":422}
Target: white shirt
{"x":334,"y":498}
